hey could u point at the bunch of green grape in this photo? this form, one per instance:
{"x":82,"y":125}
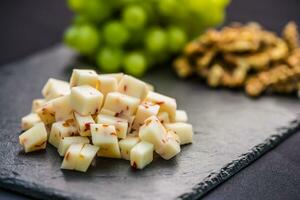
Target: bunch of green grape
{"x":134,"y":35}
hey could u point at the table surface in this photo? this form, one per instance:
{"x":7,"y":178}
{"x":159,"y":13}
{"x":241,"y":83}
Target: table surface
{"x":32,"y":26}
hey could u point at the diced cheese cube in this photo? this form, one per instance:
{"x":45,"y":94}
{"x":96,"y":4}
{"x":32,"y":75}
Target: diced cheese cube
{"x":55,"y":88}
{"x":84,"y":77}
{"x":144,"y":111}
{"x":166,"y":104}
{"x":141,"y":155}
{"x":86,"y":156}
{"x":71,"y":156}
{"x":107,"y":112}
{"x":150,"y":87}
{"x":66,"y":142}
{"x":181,"y":116}
{"x":117,"y":76}
{"x":37,"y":104}
{"x":121,"y":104}
{"x":152,"y":131}
{"x":170,"y":147}
{"x":126,"y":145}
{"x":105,"y":136}
{"x":47,"y":113}
{"x":120,"y":124}
{"x":60,"y":130}
{"x":130,"y":122}
{"x":183,"y":130}
{"x":62,"y":108}
{"x":133,"y":87}
{"x":34,"y":138}
{"x":163,"y":117}
{"x":86,"y":100}
{"x":83,"y":124}
{"x":29,"y":121}
{"x":107,"y":84}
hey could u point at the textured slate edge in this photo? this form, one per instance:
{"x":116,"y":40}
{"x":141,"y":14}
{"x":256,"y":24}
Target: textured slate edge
{"x":215,"y":178}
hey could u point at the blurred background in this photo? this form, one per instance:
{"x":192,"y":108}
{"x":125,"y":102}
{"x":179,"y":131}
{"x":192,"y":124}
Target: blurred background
{"x":33,"y":25}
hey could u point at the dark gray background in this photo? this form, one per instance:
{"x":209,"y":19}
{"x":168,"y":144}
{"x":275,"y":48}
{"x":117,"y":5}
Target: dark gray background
{"x":27,"y":26}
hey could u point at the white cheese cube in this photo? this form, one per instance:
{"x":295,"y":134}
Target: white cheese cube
{"x":126,"y":145}
{"x":133,"y":87}
{"x":60,"y":130}
{"x":120,"y":124}
{"x":163,"y":117}
{"x":183,"y":130}
{"x":107,"y":112}
{"x":34,"y":138}
{"x":150,"y":87}
{"x":86,"y":100}
{"x":152,"y":131}
{"x":47,"y":113}
{"x":66,"y":142}
{"x":83,"y":124}
{"x":62,"y":108}
{"x":117,"y":76}
{"x":141,"y":155}
{"x":86,"y":156}
{"x":55,"y":88}
{"x":84,"y":77}
{"x":170,"y":146}
{"x":105,"y":136}
{"x":71,"y":157}
{"x":144,"y":111}
{"x":181,"y":116}
{"x":29,"y":121}
{"x":107,"y":84}
{"x":166,"y":104}
{"x":37,"y":104}
{"x":121,"y":104}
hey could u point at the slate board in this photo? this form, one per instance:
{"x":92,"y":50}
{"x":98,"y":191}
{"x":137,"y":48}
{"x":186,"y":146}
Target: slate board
{"x":231,"y":131}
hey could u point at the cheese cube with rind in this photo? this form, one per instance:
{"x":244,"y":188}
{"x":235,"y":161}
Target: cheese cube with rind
{"x":126,"y":145}
{"x":62,"y":108}
{"x":55,"y":88}
{"x":167,"y":104}
{"x":84,"y":77}
{"x":34,"y":138}
{"x":29,"y":121}
{"x":141,"y":155}
{"x":83,"y":124}
{"x":60,"y":130}
{"x":133,"y":87}
{"x":37,"y":104}
{"x":105,"y":136}
{"x":86,"y":156}
{"x":152,"y":131}
{"x":66,"y":142}
{"x":163,"y":117}
{"x":181,"y":116}
{"x":71,"y":157}
{"x":170,"y":146}
{"x":47,"y":113}
{"x":144,"y":111}
{"x":121,"y":125}
{"x":86,"y":100}
{"x":121,"y":104}
{"x":183,"y":130}
{"x":107,"y":84}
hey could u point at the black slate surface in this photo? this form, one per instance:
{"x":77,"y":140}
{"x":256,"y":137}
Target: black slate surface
{"x":231,"y":131}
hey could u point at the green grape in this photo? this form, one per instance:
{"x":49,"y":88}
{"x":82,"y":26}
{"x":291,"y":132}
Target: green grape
{"x":216,"y":16}
{"x":199,"y":6}
{"x":220,"y":3}
{"x":95,"y":10}
{"x":156,"y":40}
{"x":70,"y":36}
{"x":88,"y":39}
{"x":134,"y":17}
{"x":135,"y":64}
{"x":80,"y":20}
{"x":176,"y":38}
{"x":75,"y":5}
{"x":115,"y":33}
{"x":167,"y":7}
{"x":109,"y":59}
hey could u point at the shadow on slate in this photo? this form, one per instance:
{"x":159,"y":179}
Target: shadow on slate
{"x":231,"y":131}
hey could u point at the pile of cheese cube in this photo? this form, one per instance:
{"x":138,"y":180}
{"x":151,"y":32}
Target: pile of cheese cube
{"x":108,"y":115}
